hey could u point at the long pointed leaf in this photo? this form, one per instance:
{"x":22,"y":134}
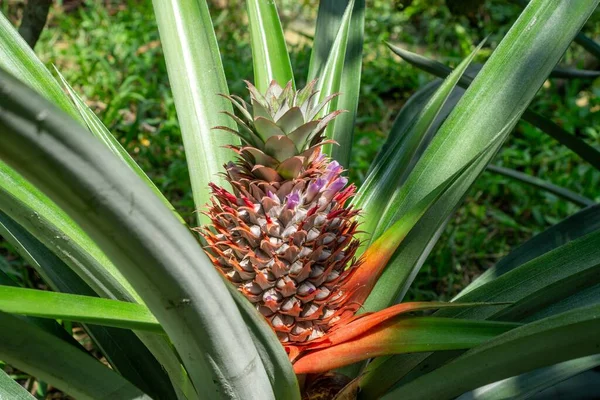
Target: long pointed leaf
{"x":571,"y":228}
{"x":396,"y":161}
{"x":330,"y":81}
{"x":329,"y":20}
{"x":543,"y":185}
{"x":545,"y":27}
{"x":123,"y":350}
{"x":270,"y":57}
{"x":17,"y":58}
{"x":101,"y":132}
{"x":159,"y":257}
{"x":533,"y":286}
{"x":524,"y":386}
{"x":403,"y":335}
{"x":565,"y":138}
{"x":197,"y":79}
{"x":52,"y":360}
{"x":72,"y":307}
{"x":9,"y":389}
{"x":552,"y":340}
{"x":57,"y":231}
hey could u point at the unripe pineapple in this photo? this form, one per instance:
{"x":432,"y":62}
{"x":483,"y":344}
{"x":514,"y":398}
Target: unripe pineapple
{"x":283,"y":236}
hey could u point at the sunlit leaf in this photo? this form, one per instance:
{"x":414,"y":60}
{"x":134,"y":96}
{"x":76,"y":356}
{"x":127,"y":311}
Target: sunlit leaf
{"x":329,"y":21}
{"x":159,"y":257}
{"x":270,"y":57}
{"x":403,"y":335}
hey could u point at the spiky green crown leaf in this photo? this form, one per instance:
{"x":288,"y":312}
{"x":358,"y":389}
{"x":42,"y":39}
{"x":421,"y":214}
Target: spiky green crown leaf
{"x":281,"y":130}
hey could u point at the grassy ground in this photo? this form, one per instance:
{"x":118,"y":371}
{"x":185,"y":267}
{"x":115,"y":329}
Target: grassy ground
{"x":112,"y":56}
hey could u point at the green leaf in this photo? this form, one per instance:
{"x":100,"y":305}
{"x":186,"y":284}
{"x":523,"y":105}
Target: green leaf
{"x":9,"y":389}
{"x":275,"y":359}
{"x":401,"y":269}
{"x":396,"y":160}
{"x":589,"y":44}
{"x":584,"y":41}
{"x":543,"y":277}
{"x":533,"y":287}
{"x":123,"y":350}
{"x":197,"y":78}
{"x":159,"y":257}
{"x":578,"y":146}
{"x":41,"y":217}
{"x":569,"y":229}
{"x":103,"y":134}
{"x":41,"y":354}
{"x":77,"y":308}
{"x":573,"y":73}
{"x":329,"y":21}
{"x":543,"y":185}
{"x":378,"y":254}
{"x":525,"y":386}
{"x":269,"y":53}
{"x":56,"y":230}
{"x":546,"y":342}
{"x":403,"y":335}
{"x":19,"y":59}
{"x":545,"y":27}
{"x":329,"y":79}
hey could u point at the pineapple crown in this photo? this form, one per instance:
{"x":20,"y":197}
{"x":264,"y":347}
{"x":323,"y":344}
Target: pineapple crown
{"x":280,"y":131}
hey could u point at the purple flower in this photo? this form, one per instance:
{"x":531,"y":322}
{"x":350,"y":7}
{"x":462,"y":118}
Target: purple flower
{"x":315,"y":187}
{"x":333,"y":170}
{"x":293,"y":200}
{"x":334,"y":187}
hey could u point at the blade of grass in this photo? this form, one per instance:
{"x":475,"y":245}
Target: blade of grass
{"x":123,"y":350}
{"x":43,"y":355}
{"x":543,"y":185}
{"x":160,"y":258}
{"x":77,"y":308}
{"x":270,"y":57}
{"x":329,"y":20}
{"x":578,"y":146}
{"x":197,"y":78}
{"x":552,"y":340}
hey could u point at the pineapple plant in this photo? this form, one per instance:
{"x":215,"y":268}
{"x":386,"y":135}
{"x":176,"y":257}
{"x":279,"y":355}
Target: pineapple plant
{"x":301,"y":295}
{"x":285,"y":237}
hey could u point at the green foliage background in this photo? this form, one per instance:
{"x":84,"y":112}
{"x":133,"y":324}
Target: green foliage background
{"x":110,"y":54}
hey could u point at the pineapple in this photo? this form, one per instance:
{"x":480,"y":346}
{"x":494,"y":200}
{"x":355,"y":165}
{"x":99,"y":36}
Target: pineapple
{"x":283,"y":236}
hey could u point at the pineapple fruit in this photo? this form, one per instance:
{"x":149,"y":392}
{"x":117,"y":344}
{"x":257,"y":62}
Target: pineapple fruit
{"x":284,"y":236}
